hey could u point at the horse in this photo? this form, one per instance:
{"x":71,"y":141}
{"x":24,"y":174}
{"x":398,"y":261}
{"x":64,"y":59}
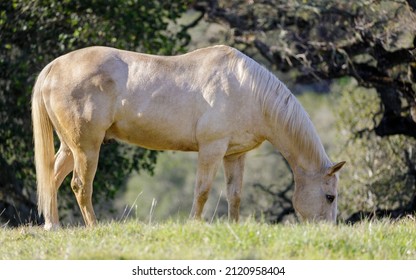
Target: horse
{"x":215,"y":101}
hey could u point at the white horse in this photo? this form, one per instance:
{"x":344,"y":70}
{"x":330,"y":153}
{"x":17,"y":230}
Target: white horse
{"x":215,"y":101}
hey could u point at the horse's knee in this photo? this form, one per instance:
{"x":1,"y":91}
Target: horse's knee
{"x":233,"y":194}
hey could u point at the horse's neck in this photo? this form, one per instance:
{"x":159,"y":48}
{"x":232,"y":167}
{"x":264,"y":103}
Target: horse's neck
{"x":287,"y":125}
{"x":298,"y":140}
{"x":296,"y":157}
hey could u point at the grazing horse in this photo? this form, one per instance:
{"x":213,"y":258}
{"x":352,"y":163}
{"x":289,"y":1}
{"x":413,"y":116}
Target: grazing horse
{"x":216,"y":101}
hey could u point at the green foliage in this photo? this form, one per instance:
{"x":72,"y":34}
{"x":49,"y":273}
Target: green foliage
{"x":382,"y":170}
{"x":194,"y":240}
{"x":32,"y":33}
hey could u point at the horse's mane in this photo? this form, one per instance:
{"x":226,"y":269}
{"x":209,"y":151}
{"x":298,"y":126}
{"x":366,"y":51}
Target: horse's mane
{"x":282,"y":107}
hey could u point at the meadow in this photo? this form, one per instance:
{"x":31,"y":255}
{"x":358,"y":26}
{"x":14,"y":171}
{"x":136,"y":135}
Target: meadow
{"x":133,"y":239}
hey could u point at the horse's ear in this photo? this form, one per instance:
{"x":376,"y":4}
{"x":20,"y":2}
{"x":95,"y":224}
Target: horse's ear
{"x":335,"y":168}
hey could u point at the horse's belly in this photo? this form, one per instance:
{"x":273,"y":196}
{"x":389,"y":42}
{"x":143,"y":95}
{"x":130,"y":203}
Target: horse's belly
{"x":155,"y":136}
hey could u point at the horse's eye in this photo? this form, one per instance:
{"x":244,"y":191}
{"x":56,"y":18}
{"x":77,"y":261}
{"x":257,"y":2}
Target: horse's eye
{"x":330,"y":198}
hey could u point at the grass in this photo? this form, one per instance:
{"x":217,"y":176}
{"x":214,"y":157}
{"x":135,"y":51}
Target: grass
{"x":220,"y":240}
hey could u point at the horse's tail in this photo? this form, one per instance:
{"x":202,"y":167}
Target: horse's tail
{"x":44,"y":147}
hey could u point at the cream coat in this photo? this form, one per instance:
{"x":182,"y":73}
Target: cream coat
{"x":215,"y":101}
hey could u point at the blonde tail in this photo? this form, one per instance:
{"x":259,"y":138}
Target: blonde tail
{"x":44,"y":151}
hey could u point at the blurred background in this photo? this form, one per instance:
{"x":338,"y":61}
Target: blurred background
{"x":352,"y":65}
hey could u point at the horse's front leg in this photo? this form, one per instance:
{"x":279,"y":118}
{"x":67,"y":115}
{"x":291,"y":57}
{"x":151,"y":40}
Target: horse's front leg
{"x":209,"y":158}
{"x":233,"y":169}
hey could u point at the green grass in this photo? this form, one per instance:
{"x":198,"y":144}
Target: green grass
{"x":220,"y":240}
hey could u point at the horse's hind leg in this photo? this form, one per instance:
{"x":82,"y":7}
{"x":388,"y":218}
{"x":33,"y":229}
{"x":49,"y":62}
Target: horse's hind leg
{"x":86,"y":160}
{"x":233,"y":169}
{"x":64,"y":163}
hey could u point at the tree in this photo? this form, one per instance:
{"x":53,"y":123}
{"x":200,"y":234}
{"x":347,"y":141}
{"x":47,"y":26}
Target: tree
{"x":382,"y":182}
{"x":32,"y":33}
{"x":370,"y":41}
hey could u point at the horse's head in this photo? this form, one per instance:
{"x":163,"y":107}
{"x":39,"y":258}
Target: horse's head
{"x":315,"y":196}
